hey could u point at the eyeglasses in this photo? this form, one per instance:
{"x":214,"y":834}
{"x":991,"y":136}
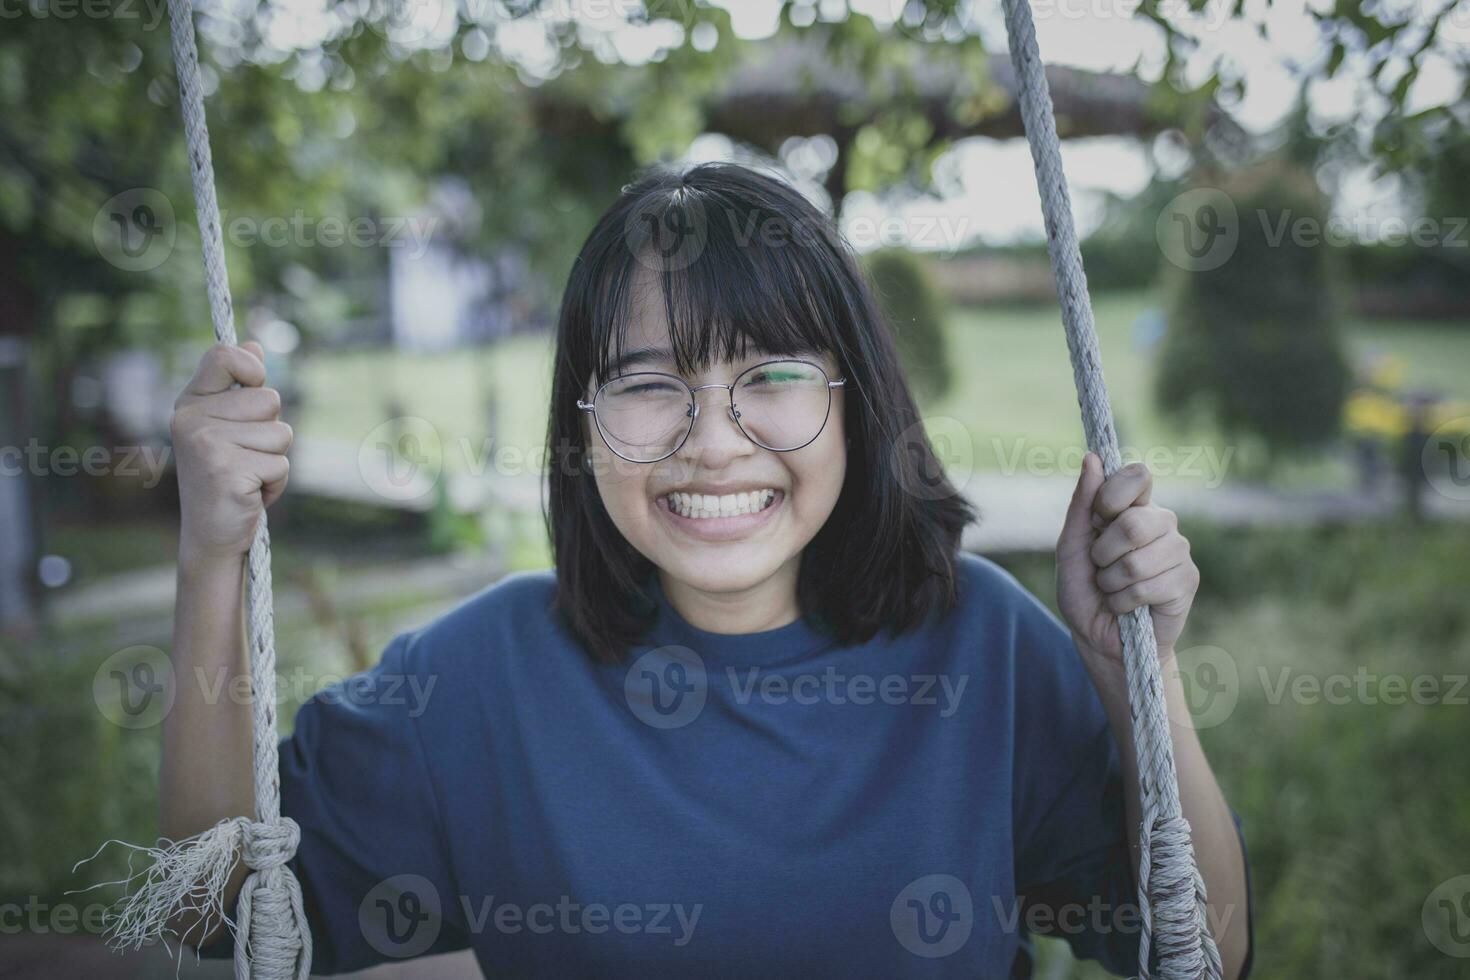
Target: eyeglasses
{"x":781,"y":405}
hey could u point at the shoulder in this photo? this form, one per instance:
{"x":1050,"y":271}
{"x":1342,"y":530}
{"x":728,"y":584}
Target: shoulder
{"x":1019,"y":627}
{"x":986,"y":589}
{"x":514,"y":612}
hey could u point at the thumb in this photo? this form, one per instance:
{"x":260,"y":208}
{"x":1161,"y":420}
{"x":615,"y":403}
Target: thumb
{"x":1077,"y":526}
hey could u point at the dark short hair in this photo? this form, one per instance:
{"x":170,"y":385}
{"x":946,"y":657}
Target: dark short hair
{"x":745,"y":259}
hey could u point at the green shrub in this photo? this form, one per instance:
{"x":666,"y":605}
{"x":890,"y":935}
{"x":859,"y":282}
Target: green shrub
{"x":915,"y":311}
{"x":1253,"y":343}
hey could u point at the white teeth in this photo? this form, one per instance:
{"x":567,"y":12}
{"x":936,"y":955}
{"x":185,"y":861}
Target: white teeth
{"x":702,"y":505}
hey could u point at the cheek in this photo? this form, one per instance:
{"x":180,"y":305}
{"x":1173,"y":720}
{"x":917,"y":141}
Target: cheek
{"x":818,"y":472}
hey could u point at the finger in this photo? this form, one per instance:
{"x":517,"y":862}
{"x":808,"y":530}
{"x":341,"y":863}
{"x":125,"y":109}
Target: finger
{"x":1127,"y":486}
{"x":1141,"y":564}
{"x":223,"y":366}
{"x":1130,"y":530}
{"x":274,"y":471}
{"x":240,"y":405}
{"x":262,"y":437}
{"x":1178,"y":583}
{"x":1077,"y":531}
{"x":253,"y":346}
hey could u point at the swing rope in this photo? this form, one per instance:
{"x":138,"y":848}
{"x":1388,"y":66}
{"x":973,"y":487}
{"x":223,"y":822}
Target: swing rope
{"x":273,"y":941}
{"x":1171,"y":893}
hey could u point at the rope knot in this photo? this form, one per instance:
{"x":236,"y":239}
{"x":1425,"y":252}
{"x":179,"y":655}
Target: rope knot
{"x":270,"y":844}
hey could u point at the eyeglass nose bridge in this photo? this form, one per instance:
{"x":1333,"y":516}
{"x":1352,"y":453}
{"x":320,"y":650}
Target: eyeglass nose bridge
{"x":731,"y":408}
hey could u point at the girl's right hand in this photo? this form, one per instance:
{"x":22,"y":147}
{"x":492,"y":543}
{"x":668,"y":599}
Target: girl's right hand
{"x":230,"y":448}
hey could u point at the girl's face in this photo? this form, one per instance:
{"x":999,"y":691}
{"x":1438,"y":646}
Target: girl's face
{"x":729,"y":553}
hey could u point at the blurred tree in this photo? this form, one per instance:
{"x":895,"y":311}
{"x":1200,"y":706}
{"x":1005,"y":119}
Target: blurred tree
{"x":916,"y":314}
{"x":1252,"y":336}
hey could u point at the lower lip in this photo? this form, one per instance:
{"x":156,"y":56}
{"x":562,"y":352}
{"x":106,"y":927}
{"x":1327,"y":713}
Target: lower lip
{"x":721,"y":528}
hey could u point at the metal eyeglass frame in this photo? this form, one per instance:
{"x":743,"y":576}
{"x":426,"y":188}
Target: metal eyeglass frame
{"x":694,"y":402}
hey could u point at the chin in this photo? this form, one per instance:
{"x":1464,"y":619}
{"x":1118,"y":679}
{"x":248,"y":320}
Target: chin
{"x":730,"y":573}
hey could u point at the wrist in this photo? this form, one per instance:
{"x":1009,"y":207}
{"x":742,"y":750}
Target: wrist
{"x":197,"y":559}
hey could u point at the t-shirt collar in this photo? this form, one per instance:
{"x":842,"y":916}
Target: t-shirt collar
{"x":797,"y":640}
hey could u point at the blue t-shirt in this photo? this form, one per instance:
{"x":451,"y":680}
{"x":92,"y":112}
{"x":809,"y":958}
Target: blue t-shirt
{"x":767,"y":804}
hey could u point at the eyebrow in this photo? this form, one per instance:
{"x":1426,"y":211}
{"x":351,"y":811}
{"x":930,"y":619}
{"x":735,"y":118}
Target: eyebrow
{"x":639,"y":355}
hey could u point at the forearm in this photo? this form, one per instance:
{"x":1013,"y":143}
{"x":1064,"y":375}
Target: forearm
{"x":1216,"y":844}
{"x":205,"y":774}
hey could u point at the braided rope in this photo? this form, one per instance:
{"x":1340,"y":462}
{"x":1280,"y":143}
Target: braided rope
{"x":1171,"y":893}
{"x":272,"y":939}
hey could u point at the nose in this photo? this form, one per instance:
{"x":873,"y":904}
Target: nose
{"x":717,"y":437}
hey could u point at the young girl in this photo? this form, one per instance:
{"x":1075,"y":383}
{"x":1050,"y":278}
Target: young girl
{"x":763,"y":718}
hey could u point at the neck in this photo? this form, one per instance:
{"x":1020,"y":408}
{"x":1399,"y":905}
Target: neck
{"x":767,"y":605}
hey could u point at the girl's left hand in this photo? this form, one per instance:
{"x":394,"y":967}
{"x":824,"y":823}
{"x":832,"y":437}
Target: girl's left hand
{"x":1117,"y":552}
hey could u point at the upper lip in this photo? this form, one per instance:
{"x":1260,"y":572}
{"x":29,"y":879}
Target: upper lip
{"x":720,"y":490}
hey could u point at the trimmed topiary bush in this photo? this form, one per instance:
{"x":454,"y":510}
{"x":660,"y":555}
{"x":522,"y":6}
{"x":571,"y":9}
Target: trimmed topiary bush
{"x":1252,"y":339}
{"x":916,"y":310}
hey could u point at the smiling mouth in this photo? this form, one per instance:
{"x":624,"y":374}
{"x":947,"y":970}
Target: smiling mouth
{"x":703,"y":506}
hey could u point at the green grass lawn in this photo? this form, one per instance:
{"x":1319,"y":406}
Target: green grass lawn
{"x":1013,"y":390}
